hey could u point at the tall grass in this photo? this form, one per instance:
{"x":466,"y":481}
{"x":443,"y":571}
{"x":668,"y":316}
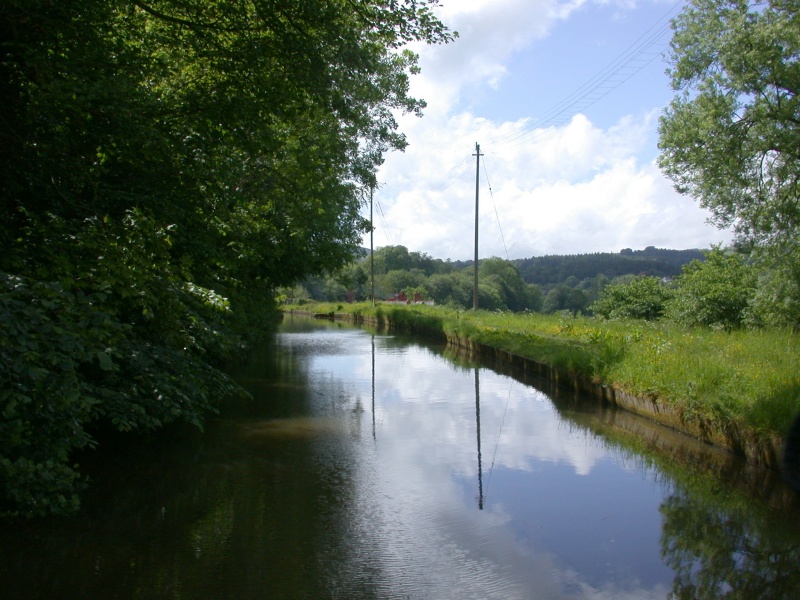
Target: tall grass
{"x":749,"y":378}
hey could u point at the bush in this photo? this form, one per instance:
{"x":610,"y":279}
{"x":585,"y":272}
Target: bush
{"x":643,"y":298}
{"x":69,"y":366}
{"x":713,"y":293}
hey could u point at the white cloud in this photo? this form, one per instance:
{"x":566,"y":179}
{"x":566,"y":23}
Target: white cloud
{"x":490,"y":31}
{"x":568,"y":190}
{"x":573,"y":188}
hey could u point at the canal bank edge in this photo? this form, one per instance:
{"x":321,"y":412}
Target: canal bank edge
{"x":757,"y":447}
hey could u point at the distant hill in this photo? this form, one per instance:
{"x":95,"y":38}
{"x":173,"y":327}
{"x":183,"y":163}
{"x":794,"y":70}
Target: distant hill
{"x":552,"y":270}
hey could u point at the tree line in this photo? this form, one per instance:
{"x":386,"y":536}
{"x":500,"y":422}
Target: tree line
{"x":552,"y":270}
{"x":539,"y":284}
{"x":724,"y":288}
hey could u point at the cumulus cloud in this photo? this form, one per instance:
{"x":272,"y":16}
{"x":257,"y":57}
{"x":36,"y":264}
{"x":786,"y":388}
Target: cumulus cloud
{"x":560,"y":188}
{"x":568,"y":190}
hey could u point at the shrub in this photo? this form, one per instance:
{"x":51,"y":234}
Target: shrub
{"x":643,"y":298}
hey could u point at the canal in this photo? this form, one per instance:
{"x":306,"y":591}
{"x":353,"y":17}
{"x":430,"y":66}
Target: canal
{"x":368,"y":465}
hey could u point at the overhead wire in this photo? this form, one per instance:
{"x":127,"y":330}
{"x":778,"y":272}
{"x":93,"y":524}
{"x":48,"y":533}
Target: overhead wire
{"x":426,"y":199}
{"x":387,"y":234}
{"x":496,"y":214}
{"x":621,"y":69}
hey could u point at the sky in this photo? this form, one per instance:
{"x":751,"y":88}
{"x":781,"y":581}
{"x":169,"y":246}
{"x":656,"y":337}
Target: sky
{"x":564,"y":98}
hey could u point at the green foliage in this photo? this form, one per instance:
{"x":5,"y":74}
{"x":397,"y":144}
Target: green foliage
{"x":713,"y":293}
{"x":165,"y":166}
{"x":730,"y":137}
{"x":48,"y":339}
{"x":452,"y":289}
{"x":506,"y":277}
{"x":69,"y":366}
{"x":776,"y":302}
{"x":396,"y":281}
{"x":565,"y":298}
{"x":642,"y":298}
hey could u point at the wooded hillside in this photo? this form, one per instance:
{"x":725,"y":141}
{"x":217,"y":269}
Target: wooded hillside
{"x":552,"y":270}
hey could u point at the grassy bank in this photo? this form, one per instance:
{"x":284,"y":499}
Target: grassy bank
{"x":744,"y":379}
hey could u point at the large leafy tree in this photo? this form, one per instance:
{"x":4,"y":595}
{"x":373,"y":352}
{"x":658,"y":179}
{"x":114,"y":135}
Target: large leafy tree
{"x":164,"y":166}
{"x":506,"y":277}
{"x":731,"y":137}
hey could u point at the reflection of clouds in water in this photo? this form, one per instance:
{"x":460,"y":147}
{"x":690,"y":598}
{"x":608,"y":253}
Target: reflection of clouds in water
{"x":429,"y":544}
{"x":413,"y":532}
{"x":425,"y":441}
{"x":432,"y":542}
{"x":575,"y":588}
{"x":517,"y":422}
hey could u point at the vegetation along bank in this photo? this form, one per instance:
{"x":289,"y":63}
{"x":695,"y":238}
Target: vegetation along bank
{"x":736,"y":389}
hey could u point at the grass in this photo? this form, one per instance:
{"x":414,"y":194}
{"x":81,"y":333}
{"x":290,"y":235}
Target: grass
{"x":747,"y":378}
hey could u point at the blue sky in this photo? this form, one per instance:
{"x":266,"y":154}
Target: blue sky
{"x":567,"y":124}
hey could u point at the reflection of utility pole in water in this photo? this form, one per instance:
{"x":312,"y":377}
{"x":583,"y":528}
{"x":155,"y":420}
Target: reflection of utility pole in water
{"x":373,"y":388}
{"x":478,"y":427}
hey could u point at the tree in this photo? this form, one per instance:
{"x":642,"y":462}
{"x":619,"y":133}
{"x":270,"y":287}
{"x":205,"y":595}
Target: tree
{"x":393,"y":258}
{"x":642,"y":298}
{"x":397,"y":281}
{"x":354,"y":280}
{"x":730,"y":138}
{"x":534,"y":299}
{"x":713,"y":293}
{"x":776,"y":302}
{"x":453,"y":289}
{"x":506,"y":277}
{"x":563,"y":297}
{"x":165,"y":165}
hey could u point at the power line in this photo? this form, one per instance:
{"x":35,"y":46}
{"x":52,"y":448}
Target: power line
{"x":500,"y":227}
{"x":622,"y":68}
{"x":382,"y":216}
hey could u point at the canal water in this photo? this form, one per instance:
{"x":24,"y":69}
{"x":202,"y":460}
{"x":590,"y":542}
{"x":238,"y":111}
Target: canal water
{"x":368,"y":465}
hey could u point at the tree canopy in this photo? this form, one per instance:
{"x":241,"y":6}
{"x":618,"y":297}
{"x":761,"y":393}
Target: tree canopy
{"x":730,"y":137}
{"x":164,"y":166}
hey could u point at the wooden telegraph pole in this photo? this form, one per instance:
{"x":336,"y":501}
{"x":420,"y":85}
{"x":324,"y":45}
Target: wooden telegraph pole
{"x":371,"y":249}
{"x":477,"y":156}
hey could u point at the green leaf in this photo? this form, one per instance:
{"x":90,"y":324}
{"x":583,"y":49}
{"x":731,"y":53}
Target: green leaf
{"x":105,"y":361}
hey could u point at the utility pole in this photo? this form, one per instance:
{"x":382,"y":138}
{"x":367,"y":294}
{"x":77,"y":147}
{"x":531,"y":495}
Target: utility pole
{"x":477,"y":156}
{"x":371,"y":249}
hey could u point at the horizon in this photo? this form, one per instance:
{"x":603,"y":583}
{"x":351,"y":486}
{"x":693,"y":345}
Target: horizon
{"x":472,"y":258}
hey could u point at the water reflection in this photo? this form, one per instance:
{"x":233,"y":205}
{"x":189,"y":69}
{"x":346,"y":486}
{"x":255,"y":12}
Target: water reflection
{"x":723,"y":553}
{"x":478,"y":429}
{"x":300,"y":493}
